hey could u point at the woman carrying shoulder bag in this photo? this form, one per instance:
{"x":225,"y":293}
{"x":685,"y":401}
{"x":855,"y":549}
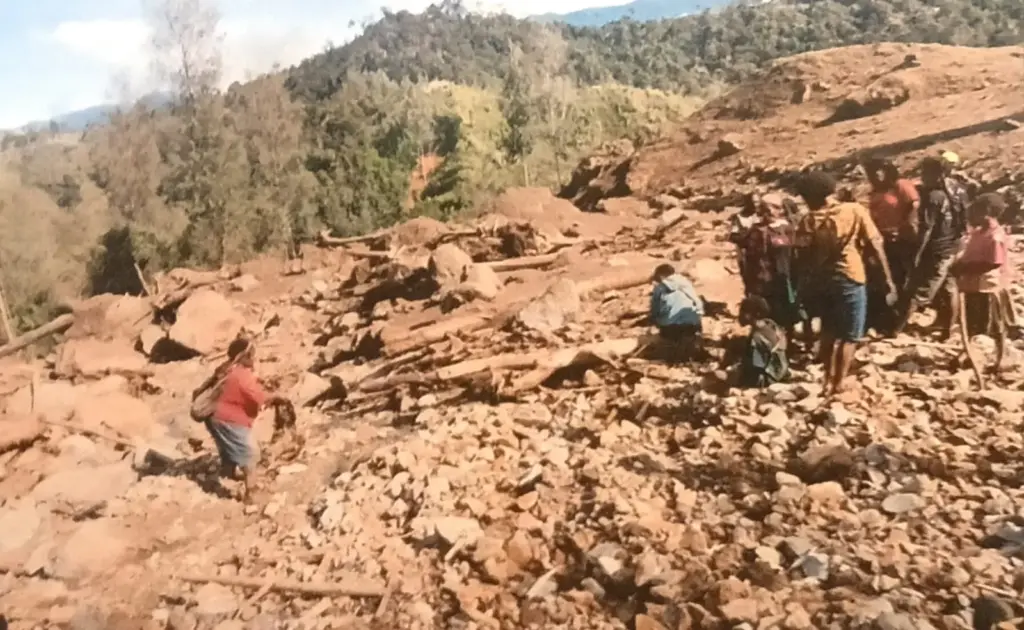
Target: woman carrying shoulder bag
{"x":238,"y":399}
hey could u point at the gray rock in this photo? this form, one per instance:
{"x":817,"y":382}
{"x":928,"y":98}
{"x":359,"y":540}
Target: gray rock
{"x":902,"y":503}
{"x":894,"y":621}
{"x":214,"y":600}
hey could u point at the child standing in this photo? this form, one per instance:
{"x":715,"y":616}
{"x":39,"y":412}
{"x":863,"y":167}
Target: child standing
{"x":982,"y":273}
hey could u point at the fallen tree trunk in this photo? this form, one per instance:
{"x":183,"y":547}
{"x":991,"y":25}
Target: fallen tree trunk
{"x":437,"y":332}
{"x":526,"y":262}
{"x":592,"y":353}
{"x":367,"y":253}
{"x":96,"y":433}
{"x":353,"y":588}
{"x":326,"y":240}
{"x":625,"y":278}
{"x":58,"y":325}
{"x":549,"y":360}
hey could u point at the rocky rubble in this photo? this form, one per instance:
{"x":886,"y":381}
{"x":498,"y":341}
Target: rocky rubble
{"x":623,"y":493}
{"x":484,"y":437}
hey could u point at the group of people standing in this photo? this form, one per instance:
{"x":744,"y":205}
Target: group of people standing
{"x":915,"y":245}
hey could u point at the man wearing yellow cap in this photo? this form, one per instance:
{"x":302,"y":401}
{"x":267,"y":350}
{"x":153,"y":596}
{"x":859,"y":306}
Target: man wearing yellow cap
{"x":952,"y":163}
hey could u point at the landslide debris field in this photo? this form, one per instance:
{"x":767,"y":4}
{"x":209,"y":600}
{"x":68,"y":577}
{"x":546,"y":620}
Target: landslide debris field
{"x":483,"y":440}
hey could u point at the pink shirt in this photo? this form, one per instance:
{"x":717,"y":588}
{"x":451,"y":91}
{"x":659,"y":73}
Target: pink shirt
{"x":986,"y":244}
{"x":240,"y":398}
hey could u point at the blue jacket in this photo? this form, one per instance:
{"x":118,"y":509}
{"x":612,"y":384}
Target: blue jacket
{"x":675,"y":302}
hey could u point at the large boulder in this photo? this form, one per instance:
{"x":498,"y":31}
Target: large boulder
{"x":124,"y":414}
{"x":110,"y":317}
{"x":558,"y":306}
{"x":206,"y":322}
{"x":53,"y":400}
{"x":94,"y":547}
{"x":448,"y":263}
{"x":94,"y":357}
{"x":84,"y":487}
{"x":481,"y":282}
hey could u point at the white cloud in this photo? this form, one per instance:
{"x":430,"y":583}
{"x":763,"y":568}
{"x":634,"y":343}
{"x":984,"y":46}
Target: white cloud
{"x":85,"y":61}
{"x":118,"y":43}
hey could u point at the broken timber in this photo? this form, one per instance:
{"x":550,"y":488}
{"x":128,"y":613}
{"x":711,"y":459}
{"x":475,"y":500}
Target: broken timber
{"x":402,"y":342}
{"x":58,"y":325}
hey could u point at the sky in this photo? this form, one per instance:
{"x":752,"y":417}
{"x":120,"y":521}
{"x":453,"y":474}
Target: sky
{"x":58,"y":56}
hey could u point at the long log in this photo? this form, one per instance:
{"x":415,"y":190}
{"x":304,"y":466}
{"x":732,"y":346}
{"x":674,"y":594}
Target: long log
{"x":526,"y":262}
{"x":326,"y":240}
{"x":619,"y":280}
{"x":58,"y":325}
{"x":432,"y":334}
{"x":350,"y":588}
{"x":97,"y":433}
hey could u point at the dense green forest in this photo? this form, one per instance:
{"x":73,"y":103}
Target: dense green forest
{"x":687,"y":53}
{"x":420,"y":115}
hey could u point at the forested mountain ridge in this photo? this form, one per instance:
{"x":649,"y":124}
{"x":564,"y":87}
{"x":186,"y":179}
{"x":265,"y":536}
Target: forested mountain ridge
{"x":449,"y":43}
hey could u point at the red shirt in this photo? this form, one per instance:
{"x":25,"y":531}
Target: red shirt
{"x":893,"y":210}
{"x":240,"y":398}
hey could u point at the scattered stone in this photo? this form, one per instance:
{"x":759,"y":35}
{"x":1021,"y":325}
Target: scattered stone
{"x":902,"y":503}
{"x":741,"y":610}
{"x":214,"y":600}
{"x":245,"y":282}
{"x":643,"y":622}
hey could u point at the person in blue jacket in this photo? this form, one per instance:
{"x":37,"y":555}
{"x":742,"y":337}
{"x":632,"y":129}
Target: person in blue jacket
{"x":676,"y":309}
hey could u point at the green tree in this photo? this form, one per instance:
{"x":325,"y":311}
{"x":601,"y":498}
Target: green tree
{"x":517,"y":139}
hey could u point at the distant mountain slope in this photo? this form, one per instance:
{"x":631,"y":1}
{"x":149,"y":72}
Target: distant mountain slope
{"x":82,"y":119}
{"x":74,"y":121}
{"x":448,"y":42}
{"x":639,"y":10}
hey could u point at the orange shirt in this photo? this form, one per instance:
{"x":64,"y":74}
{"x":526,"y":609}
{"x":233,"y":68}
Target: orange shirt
{"x":893,"y":210}
{"x":835,"y":237}
{"x":240,"y":398}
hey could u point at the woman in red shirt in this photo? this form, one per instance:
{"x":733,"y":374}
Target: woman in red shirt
{"x":241,"y":398}
{"x":894,"y":209}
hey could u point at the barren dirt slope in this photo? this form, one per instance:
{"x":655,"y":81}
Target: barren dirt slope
{"x":831,"y":106}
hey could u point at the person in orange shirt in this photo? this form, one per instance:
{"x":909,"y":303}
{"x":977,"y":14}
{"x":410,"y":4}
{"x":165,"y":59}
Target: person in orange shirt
{"x":894,"y":207}
{"x":241,"y":398}
{"x":833,"y":239}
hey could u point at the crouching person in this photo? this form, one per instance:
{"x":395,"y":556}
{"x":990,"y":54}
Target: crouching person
{"x":676,"y":310}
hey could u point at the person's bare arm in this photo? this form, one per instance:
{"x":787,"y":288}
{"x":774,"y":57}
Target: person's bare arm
{"x":873,"y":238}
{"x":928,"y":223}
{"x":913,"y":201}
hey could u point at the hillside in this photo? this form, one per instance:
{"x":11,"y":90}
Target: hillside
{"x":422,"y":115}
{"x":486,"y":435}
{"x":82,"y":119}
{"x":448,"y":43}
{"x":831,"y":109}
